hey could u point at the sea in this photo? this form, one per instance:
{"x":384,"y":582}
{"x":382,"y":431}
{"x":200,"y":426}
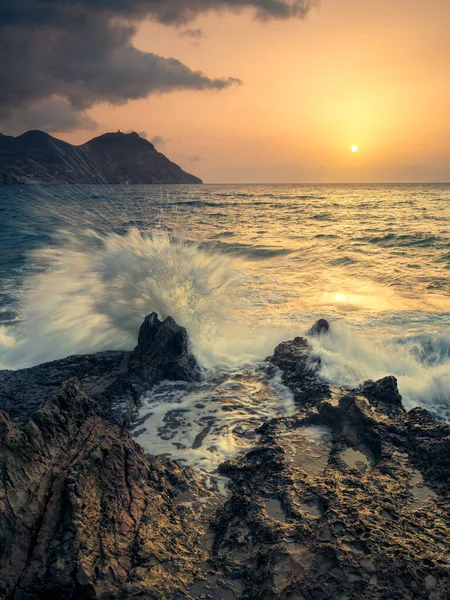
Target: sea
{"x":242,"y":267}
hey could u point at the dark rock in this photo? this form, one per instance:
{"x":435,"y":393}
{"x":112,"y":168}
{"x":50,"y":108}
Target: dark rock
{"x":36,"y":157}
{"x":320,"y":327}
{"x":162,"y":353}
{"x":384,"y":391}
{"x":364,"y":542}
{"x":341,"y":514}
{"x":114,"y":379}
{"x":23,"y":391}
{"x":430,"y":446}
{"x":84,"y":514}
{"x":300,"y":371}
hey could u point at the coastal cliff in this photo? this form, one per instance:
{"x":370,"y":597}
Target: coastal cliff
{"x":348,"y":498}
{"x":113,"y":158}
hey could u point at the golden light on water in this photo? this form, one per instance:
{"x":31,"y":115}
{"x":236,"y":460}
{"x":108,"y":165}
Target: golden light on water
{"x":355,"y":148}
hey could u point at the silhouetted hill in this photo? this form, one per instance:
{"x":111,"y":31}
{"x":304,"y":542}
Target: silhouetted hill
{"x":37,"y":157}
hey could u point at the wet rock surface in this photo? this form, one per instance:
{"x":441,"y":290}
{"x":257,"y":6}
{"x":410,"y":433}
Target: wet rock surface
{"x":301,"y":369}
{"x":114,"y":379}
{"x":84,"y":514}
{"x":161,"y":353}
{"x":373,"y":523}
{"x":320,"y":327}
{"x":348,"y":499}
{"x":22,"y":392}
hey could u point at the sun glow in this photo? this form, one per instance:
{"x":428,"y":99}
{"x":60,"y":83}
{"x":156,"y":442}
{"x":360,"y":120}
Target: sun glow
{"x":355,"y":148}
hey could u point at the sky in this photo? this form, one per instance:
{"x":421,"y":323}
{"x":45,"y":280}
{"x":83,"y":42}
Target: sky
{"x":260,"y":91}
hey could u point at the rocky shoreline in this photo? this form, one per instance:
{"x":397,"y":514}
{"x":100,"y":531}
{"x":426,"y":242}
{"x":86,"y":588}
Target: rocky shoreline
{"x":349,"y":499}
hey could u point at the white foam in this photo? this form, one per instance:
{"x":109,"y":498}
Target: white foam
{"x":202,"y":425}
{"x":422,"y":369}
{"x":6,"y":339}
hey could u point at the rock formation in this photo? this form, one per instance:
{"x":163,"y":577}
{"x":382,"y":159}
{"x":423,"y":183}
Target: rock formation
{"x":348,"y":499}
{"x":37,"y":157}
{"x":300,"y":371}
{"x":114,"y":379}
{"x":84,"y":514}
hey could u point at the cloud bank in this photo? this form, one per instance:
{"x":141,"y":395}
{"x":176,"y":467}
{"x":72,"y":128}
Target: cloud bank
{"x":61,"y":57}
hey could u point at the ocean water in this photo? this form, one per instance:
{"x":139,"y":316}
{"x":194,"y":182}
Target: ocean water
{"x":242,"y":267}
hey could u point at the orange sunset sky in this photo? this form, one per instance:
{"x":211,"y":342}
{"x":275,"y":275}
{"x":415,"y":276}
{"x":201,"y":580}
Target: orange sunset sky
{"x":374,"y":74}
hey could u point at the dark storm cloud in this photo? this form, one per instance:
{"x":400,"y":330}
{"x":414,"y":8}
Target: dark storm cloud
{"x":170,"y":12}
{"x":51,"y":114}
{"x":77,"y":53}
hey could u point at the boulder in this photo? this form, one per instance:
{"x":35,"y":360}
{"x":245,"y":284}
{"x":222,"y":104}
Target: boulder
{"x":162,"y":353}
{"x":300,"y":369}
{"x":320,"y":327}
{"x":384,"y":391}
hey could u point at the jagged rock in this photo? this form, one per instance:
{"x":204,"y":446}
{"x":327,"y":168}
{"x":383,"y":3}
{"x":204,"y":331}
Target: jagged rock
{"x":360,"y":527}
{"x":114,"y":379}
{"x":300,"y":371}
{"x":23,"y":391}
{"x":359,"y":507}
{"x":162,"y":353}
{"x":430,"y":446}
{"x":384,"y":391}
{"x":320,"y":327}
{"x":84,"y":514}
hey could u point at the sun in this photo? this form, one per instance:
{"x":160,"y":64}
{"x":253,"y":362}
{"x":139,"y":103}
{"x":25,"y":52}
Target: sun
{"x":355,"y":148}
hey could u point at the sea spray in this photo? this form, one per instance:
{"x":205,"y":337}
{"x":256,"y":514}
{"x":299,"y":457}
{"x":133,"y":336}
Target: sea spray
{"x":94,"y":291}
{"x":89,"y":291}
{"x":420,"y":364}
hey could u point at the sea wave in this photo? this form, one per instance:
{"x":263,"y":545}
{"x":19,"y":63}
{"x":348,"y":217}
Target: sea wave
{"x":96,"y":290}
{"x":391,"y":239}
{"x":421,"y":364}
{"x":251,"y":252}
{"x":269,"y":261}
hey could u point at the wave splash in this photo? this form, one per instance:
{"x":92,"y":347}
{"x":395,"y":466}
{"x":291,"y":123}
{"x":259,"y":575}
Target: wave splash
{"x":94,"y":291}
{"x":421,"y":364}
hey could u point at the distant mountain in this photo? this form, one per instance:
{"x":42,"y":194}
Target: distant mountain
{"x":37,"y":157}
